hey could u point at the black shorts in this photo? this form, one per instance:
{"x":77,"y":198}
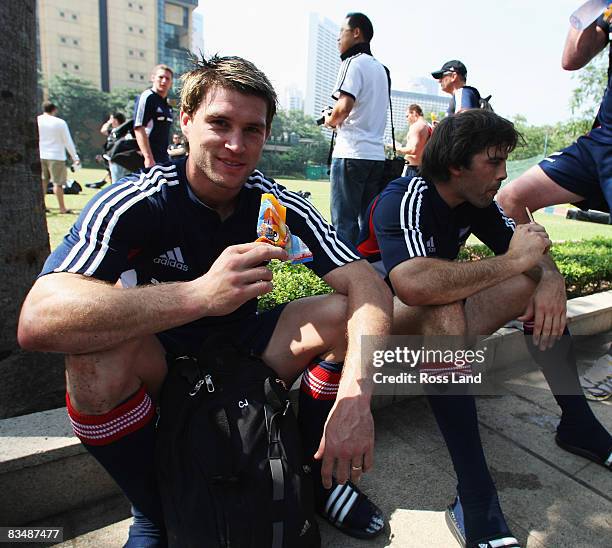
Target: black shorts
{"x":252,"y":333}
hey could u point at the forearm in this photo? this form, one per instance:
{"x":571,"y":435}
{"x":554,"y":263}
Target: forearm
{"x":143,"y":143}
{"x":407,"y":150}
{"x":72,"y":314}
{"x":340,"y":112}
{"x":546,"y":269}
{"x":369,"y":314}
{"x":582,"y":46}
{"x":438,"y":282}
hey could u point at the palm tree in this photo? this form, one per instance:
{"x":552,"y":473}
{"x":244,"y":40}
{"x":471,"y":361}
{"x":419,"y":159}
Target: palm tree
{"x":28,"y":381}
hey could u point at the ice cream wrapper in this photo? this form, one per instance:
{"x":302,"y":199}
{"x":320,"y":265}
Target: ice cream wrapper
{"x":272,"y":229}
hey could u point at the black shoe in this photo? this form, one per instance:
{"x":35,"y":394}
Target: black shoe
{"x":96,"y":185}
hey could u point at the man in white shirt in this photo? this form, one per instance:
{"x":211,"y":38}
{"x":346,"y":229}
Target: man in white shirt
{"x":54,"y":140}
{"x":359,"y":117}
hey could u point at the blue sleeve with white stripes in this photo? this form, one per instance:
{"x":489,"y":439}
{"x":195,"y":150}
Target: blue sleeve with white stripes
{"x":329,"y":250}
{"x":144,"y":109}
{"x":400,"y":225}
{"x":115,"y":223}
{"x":493,"y":228}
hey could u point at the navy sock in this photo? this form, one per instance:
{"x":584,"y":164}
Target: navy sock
{"x":344,"y":505}
{"x":457,"y":419}
{"x":318,"y":391}
{"x":123,"y":442}
{"x":578,"y":426}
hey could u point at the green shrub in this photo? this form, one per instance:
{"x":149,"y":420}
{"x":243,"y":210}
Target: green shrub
{"x":292,"y":282}
{"x":586,"y":266}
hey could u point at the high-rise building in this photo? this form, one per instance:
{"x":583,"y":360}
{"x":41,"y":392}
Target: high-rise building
{"x":293,"y":99}
{"x":197,"y":33}
{"x":174,"y":19}
{"x":113,"y":43}
{"x":400,"y":100}
{"x":323,"y":64}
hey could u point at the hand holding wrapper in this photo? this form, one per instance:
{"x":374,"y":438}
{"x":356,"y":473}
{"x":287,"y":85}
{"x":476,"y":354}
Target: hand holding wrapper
{"x":272,"y":229}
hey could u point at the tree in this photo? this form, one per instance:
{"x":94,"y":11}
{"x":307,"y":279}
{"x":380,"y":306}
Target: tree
{"x":85,"y":108}
{"x":28,"y":381}
{"x":308,"y":144}
{"x":592,"y":82}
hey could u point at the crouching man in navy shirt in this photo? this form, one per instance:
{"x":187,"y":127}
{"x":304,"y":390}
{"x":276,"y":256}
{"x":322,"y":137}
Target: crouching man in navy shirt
{"x":163,"y":259}
{"x":417,"y":227}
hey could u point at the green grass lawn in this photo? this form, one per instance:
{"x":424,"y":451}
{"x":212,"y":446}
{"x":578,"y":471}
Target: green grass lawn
{"x":558,"y":227}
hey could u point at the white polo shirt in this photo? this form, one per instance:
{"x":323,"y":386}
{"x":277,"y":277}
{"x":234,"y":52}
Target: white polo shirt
{"x":361,"y":134}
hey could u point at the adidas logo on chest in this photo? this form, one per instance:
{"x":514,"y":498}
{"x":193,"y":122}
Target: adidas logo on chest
{"x":173,"y":258}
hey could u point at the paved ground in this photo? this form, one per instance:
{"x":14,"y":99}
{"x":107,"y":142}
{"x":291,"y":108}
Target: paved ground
{"x":552,"y":499}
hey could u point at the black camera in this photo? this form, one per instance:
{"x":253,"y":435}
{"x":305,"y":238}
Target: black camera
{"x":327,"y":110}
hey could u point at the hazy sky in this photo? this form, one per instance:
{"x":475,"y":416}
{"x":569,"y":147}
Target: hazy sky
{"x":512,"y":49}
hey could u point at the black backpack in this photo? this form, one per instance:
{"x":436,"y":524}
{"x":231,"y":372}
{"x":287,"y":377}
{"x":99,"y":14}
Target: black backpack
{"x":483,"y":102}
{"x":228,"y":456}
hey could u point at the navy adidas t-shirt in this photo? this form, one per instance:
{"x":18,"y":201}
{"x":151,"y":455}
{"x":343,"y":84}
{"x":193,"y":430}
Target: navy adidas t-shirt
{"x":151,"y":228}
{"x":410,"y":219}
{"x":153,"y":112}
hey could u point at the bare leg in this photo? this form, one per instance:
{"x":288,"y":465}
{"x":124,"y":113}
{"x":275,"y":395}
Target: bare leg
{"x":100,"y":381}
{"x":112,"y":412}
{"x":58,"y":190}
{"x":307,"y":328}
{"x":534,"y":189}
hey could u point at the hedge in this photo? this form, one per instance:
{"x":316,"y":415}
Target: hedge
{"x":586,"y":266}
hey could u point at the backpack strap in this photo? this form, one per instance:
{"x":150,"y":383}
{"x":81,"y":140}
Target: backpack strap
{"x":278,"y":478}
{"x":391,"y":110}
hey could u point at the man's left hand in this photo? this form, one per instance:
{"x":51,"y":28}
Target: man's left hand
{"x":348,"y":441}
{"x":547,"y":308}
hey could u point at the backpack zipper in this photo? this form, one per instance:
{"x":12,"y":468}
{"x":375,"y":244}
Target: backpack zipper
{"x":210,"y":387}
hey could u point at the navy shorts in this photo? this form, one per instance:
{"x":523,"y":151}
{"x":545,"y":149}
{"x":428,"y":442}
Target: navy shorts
{"x":584,"y":168}
{"x":252,"y":333}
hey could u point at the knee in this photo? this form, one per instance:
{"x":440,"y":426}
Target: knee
{"x":99,"y":381}
{"x":333,"y":318}
{"x":512,"y":200}
{"x":447,"y":319}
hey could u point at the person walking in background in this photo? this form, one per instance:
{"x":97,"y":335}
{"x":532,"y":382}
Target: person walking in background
{"x":359,"y":118}
{"x":54,"y":140}
{"x":419,"y":132}
{"x":153,"y":117}
{"x":452,"y":77}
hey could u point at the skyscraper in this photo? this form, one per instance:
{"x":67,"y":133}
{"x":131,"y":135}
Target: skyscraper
{"x":113,"y":43}
{"x":323,"y":64}
{"x":293,"y":99}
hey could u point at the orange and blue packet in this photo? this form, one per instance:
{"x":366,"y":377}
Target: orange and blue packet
{"x":272,"y":229}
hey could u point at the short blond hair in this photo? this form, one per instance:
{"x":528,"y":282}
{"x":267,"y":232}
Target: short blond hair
{"x":161,"y":67}
{"x":233,"y":73}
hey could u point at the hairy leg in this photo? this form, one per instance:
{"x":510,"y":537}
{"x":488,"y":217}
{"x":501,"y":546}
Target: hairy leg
{"x":534,"y":189}
{"x":100,"y":381}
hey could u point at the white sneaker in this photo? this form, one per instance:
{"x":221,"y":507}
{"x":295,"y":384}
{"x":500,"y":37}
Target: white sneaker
{"x":597,"y":379}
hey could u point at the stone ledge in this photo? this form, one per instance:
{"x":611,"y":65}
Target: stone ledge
{"x":44,"y":470}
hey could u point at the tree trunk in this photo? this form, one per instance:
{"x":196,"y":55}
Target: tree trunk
{"x":28,"y":382}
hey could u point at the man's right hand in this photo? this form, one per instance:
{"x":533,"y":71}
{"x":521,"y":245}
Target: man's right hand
{"x":529,"y":242}
{"x":237,"y":276}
